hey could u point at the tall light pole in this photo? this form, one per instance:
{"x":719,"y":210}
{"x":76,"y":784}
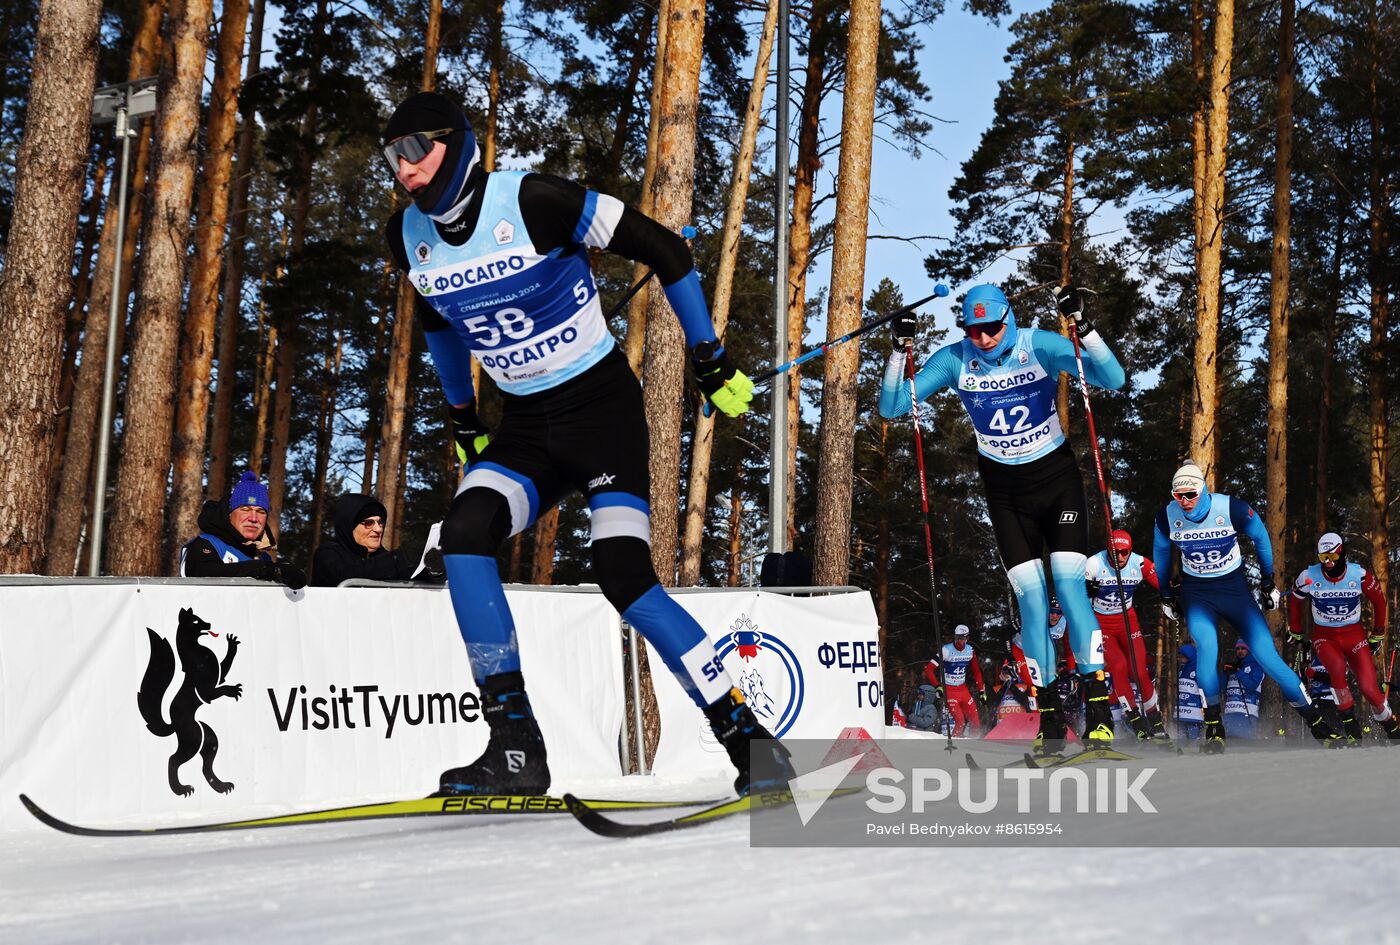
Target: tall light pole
{"x":120,"y":104}
{"x":777,"y":450}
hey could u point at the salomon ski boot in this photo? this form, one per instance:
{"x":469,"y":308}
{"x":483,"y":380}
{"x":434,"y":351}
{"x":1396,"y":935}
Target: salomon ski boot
{"x":1213,"y":734}
{"x":1098,"y":717}
{"x":514,"y":761}
{"x":1050,"y":740}
{"x":1320,"y":728}
{"x":736,"y":728}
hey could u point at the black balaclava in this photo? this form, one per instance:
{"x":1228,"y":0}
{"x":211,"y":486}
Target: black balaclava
{"x":1333,"y":542}
{"x":430,"y":111}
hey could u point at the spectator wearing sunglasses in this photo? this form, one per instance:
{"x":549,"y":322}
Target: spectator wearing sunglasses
{"x":1334,"y":587}
{"x":1205,"y":527}
{"x":357,"y":550}
{"x":1007,"y":377}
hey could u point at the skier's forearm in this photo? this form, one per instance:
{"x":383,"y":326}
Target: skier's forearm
{"x":1101,"y":367}
{"x":453,"y":361}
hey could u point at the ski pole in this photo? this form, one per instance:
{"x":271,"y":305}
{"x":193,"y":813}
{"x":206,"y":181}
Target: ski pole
{"x":923,"y":501}
{"x":1107,"y":505}
{"x":689,"y":232}
{"x":939,"y":291}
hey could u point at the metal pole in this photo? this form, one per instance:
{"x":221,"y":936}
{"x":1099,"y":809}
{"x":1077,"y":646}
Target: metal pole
{"x":639,"y":741}
{"x":777,"y":458}
{"x":104,"y":428}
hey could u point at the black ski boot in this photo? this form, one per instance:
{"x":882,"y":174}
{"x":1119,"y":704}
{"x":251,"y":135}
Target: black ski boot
{"x":1351,"y":727}
{"x":1050,"y":740}
{"x":1213,"y":735}
{"x":1392,"y":728}
{"x":514,"y":761}
{"x":1098,"y":717}
{"x":1320,"y":728}
{"x":1140,"y":726}
{"x":736,"y":728}
{"x":1156,"y":726}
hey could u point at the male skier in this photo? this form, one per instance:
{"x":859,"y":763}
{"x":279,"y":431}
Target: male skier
{"x":500,"y":264}
{"x":1007,"y":378}
{"x":1206,"y":526}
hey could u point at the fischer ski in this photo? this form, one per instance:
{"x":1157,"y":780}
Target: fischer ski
{"x":459,"y":805}
{"x":588,"y":813}
{"x":1078,"y":758}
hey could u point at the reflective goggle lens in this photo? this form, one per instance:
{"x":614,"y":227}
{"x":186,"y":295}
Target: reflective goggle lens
{"x":1184,"y":496}
{"x":977,"y":331}
{"x":412,"y":148}
{"x":1328,"y":557}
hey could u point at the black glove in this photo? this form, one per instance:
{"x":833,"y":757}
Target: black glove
{"x":288,"y":574}
{"x":433,"y":565}
{"x":468,"y":432}
{"x":1071,"y":304}
{"x":902,"y":328}
{"x":1268,"y":594}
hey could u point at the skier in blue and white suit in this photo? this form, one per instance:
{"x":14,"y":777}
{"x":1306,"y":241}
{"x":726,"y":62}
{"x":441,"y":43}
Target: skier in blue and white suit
{"x":1206,"y":527}
{"x":499,"y":261}
{"x":1007,"y":378}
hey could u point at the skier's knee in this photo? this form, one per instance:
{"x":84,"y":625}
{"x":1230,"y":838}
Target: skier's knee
{"x":478,"y":522}
{"x":622,"y":567}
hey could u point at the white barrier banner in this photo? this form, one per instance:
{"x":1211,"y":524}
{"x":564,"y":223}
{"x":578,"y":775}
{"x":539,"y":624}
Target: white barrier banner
{"x":155,"y":703}
{"x":809,"y":667}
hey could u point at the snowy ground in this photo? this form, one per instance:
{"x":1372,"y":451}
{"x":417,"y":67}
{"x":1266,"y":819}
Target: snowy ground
{"x":546,"y":879}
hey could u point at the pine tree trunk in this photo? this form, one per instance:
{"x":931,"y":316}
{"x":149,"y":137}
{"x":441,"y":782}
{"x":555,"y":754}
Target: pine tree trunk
{"x":1329,"y":358}
{"x":262,"y":389}
{"x":736,"y":528}
{"x":1198,"y":128}
{"x":672,"y":192}
{"x":221,"y":433}
{"x":281,"y":425}
{"x":75,"y":471}
{"x":833,"y":545}
{"x":1276,"y":457}
{"x":493,"y":87}
{"x":325,"y":432}
{"x":1205,"y":432}
{"x":546,"y":535}
{"x":1066,"y":252}
{"x":640,"y":44}
{"x":391,"y":436}
{"x":197,"y":339}
{"x":634,"y":344}
{"x":37,"y":282}
{"x":392,"y":450}
{"x":1378,"y":377}
{"x":138,"y":510}
{"x":432,"y":40}
{"x":697,"y":497}
{"x":78,"y":316}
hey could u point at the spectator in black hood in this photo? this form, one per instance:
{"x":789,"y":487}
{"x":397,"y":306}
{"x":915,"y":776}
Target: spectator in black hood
{"x":235,"y":539}
{"x":357,"y":551}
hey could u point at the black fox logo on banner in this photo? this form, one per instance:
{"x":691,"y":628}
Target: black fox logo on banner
{"x":203,"y":682}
